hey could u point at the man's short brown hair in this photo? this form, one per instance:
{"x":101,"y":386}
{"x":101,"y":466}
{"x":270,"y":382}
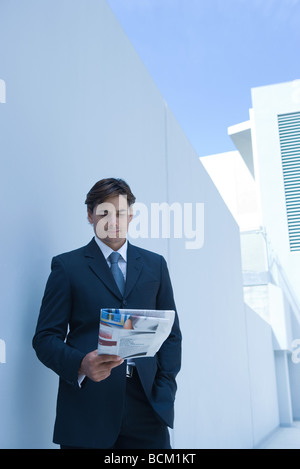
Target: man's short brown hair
{"x":105,"y":188}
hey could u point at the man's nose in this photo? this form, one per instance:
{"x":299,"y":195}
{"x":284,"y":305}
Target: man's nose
{"x":112,"y":221}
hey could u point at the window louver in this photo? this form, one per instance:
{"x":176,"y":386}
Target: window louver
{"x":289,"y":134}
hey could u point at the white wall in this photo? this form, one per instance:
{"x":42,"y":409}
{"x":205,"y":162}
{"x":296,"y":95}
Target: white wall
{"x":81,"y":106}
{"x":263,"y":387}
{"x":236,"y":186}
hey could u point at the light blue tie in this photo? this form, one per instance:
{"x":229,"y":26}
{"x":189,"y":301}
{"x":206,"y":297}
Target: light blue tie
{"x":116,"y":271}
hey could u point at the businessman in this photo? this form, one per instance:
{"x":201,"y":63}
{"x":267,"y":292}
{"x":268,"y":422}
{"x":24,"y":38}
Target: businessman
{"x":103,"y":401}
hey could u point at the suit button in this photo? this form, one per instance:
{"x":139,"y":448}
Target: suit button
{"x":124,"y":302}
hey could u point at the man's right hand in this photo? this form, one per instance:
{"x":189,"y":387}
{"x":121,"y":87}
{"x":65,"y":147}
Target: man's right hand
{"x":98,"y":367}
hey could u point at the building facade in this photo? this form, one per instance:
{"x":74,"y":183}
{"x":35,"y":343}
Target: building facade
{"x":263,"y":192}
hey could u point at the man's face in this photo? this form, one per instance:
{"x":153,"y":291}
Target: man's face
{"x":111,"y":220}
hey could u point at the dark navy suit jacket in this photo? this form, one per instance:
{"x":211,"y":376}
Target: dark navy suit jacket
{"x":80,"y":284}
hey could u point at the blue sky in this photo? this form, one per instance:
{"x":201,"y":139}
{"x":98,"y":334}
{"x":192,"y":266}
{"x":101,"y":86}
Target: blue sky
{"x":205,"y":56}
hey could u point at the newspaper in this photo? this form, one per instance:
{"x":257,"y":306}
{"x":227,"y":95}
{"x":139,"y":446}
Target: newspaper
{"x":133,"y":333}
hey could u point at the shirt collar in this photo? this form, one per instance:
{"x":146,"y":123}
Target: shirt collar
{"x":106,"y":250}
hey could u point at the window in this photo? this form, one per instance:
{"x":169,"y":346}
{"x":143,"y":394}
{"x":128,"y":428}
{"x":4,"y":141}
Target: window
{"x":289,"y":135}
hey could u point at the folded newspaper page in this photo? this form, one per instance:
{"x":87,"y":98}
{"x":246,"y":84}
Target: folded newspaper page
{"x":133,"y":333}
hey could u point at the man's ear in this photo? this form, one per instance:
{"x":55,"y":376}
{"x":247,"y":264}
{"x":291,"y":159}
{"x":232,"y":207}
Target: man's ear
{"x":89,"y":215}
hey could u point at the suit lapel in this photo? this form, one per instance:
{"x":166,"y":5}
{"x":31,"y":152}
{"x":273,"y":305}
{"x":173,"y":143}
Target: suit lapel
{"x":98,"y":265}
{"x":134,"y":268}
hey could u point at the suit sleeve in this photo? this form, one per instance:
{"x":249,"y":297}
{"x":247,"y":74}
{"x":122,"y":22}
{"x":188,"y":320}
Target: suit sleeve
{"x":169,"y":355}
{"x":49,"y":339}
